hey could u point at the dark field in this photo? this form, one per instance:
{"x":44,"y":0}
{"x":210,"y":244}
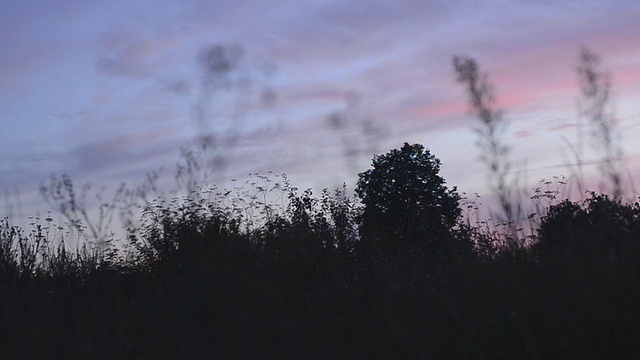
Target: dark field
{"x":196,"y":282}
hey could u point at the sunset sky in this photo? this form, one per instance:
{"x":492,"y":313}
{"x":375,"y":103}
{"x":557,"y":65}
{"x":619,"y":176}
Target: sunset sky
{"x":110,"y":90}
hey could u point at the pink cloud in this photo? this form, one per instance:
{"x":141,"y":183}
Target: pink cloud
{"x":301,"y":96}
{"x":16,"y":65}
{"x":564,"y":127}
{"x":444,"y":109}
{"x":629,"y":76}
{"x":122,"y":150}
{"x":524,"y":134}
{"x":134,"y":55}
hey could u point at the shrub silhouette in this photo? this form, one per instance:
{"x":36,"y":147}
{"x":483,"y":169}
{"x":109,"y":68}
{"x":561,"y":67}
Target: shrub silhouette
{"x":404,"y":197}
{"x":598,"y":228}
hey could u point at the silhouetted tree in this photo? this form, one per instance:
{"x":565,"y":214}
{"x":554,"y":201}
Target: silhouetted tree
{"x":404,"y":197}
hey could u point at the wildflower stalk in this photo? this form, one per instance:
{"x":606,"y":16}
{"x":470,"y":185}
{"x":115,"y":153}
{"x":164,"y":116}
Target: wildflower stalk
{"x":595,"y":86}
{"x":492,"y":125}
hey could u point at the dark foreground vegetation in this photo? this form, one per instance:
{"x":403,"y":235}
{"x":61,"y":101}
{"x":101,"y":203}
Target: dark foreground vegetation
{"x":327,"y":277}
{"x":405,"y":270}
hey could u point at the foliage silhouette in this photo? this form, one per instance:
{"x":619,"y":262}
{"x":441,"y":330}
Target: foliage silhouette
{"x":301,"y":283}
{"x":404,"y":198}
{"x":597,"y":229}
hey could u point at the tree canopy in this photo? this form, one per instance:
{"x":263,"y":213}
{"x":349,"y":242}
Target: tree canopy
{"x":404,"y":197}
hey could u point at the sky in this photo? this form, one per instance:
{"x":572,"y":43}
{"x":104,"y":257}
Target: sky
{"x":110,"y":91}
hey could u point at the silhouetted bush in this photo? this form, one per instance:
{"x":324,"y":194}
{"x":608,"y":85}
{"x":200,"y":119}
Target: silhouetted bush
{"x":598,"y":228}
